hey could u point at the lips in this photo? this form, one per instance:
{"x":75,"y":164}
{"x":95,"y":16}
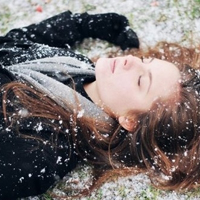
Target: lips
{"x":113,"y":65}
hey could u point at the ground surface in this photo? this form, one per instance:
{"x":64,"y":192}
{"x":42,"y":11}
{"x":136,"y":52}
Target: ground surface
{"x":171,"y":20}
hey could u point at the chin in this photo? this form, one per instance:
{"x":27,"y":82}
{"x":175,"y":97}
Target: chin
{"x":101,"y":66}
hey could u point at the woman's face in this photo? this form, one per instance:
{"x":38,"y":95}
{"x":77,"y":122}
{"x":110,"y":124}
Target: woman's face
{"x":129,"y":83}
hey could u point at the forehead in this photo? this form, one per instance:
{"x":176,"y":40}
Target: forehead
{"x":165,"y":80}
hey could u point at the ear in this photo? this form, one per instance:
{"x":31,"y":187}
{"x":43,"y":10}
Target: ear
{"x":126,"y":123}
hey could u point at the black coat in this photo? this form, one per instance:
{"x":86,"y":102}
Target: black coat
{"x":29,"y":167}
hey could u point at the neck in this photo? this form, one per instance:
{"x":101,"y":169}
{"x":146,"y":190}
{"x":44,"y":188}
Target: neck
{"x":91,"y":90}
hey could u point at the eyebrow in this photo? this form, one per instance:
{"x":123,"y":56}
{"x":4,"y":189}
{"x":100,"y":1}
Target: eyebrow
{"x":150,"y":77}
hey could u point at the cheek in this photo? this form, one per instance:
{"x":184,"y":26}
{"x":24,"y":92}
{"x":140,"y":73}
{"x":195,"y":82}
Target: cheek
{"x":118,"y":97}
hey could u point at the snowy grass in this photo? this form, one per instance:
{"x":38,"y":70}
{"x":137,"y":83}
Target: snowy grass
{"x":169,"y":20}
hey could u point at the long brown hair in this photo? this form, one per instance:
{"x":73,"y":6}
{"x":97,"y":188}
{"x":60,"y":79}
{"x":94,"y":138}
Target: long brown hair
{"x":165,"y":142}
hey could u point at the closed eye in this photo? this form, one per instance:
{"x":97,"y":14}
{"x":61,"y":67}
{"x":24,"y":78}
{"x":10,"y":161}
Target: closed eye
{"x":139,"y":80}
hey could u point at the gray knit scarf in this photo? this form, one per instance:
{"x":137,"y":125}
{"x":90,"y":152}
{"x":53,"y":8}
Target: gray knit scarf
{"x":36,"y":73}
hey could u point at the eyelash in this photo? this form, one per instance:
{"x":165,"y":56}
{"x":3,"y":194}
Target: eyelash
{"x":139,"y":80}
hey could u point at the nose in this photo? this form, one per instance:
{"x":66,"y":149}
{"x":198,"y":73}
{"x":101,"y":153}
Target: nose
{"x":127,"y":62}
{"x":132,"y":62}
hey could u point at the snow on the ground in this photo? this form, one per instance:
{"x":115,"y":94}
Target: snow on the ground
{"x":153,"y":21}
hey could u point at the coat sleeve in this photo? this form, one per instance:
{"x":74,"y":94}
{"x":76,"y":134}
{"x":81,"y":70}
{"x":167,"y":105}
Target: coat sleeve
{"x":66,"y":29}
{"x":29,"y":167}
{"x":58,"y":31}
{"x":54,"y":36}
